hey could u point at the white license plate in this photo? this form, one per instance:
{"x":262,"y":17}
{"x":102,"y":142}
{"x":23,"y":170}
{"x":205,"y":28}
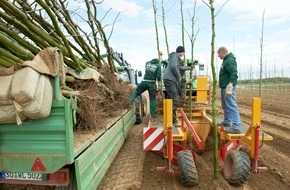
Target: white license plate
{"x":22,"y":176}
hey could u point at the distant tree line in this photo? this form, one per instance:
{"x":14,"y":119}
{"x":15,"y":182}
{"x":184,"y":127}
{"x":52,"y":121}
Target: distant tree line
{"x":266,"y":80}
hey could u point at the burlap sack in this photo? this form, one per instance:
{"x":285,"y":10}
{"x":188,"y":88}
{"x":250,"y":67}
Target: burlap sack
{"x":24,"y":84}
{"x":5,"y":90}
{"x":7,"y":71}
{"x":8,"y":114}
{"x":41,"y":105}
{"x":49,"y":61}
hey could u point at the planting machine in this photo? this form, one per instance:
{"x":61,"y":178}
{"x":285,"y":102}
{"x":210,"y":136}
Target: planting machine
{"x":179,"y":144}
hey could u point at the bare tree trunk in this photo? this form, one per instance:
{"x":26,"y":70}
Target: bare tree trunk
{"x":192,"y":38}
{"x":22,"y":52}
{"x":214,"y":88}
{"x":106,"y":44}
{"x":261,"y":55}
{"x":55,"y":23}
{"x":64,"y":17}
{"x":156,"y":27}
{"x":182,"y":23}
{"x":19,"y":39}
{"x":215,"y":133}
{"x":94,"y":33}
{"x":164,"y":28}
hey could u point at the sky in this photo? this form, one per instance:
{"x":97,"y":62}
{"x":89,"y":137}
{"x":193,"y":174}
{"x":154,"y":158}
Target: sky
{"x":238,"y":26}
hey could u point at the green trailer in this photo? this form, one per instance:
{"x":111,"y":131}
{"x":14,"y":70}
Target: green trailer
{"x":49,"y":152}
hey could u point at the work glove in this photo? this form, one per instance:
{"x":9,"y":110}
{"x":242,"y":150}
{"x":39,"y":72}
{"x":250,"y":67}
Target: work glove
{"x":229,"y":89}
{"x":182,"y":80}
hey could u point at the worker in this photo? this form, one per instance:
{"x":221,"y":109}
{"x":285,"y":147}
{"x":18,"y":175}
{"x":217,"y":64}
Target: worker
{"x":228,"y":78}
{"x":152,"y":74}
{"x":172,"y":78}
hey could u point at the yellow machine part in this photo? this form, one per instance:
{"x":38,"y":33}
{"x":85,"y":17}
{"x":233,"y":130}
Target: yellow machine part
{"x":248,"y":132}
{"x":167,"y":115}
{"x":202,"y":89}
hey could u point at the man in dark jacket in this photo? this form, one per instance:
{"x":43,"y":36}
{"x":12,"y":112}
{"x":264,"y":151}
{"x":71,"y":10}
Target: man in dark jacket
{"x":152,"y":74}
{"x":228,"y":79}
{"x":172,"y":78}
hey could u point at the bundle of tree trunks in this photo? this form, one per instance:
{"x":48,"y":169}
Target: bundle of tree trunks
{"x":27,"y":27}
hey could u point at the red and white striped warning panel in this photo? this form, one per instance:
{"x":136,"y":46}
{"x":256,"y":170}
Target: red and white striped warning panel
{"x":153,"y":138}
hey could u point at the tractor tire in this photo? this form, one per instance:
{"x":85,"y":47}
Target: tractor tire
{"x":144,"y":105}
{"x":138,"y":110}
{"x":72,"y":181}
{"x":187,"y":168}
{"x":236,"y":167}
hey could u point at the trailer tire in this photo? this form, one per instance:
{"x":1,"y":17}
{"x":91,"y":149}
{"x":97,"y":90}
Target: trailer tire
{"x":236,"y":167}
{"x":144,"y":105}
{"x":138,"y":110}
{"x":72,"y":181}
{"x":187,"y":168}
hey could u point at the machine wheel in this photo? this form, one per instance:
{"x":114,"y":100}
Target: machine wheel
{"x":144,"y":105}
{"x":138,"y":111}
{"x":72,"y":181}
{"x":236,"y":167}
{"x":187,"y":168}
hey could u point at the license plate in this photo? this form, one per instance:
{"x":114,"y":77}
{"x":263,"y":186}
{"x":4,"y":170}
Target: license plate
{"x":22,"y":176}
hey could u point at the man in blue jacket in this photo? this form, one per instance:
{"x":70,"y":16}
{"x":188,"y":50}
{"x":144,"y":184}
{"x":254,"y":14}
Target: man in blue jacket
{"x":172,"y":78}
{"x":228,"y":79}
{"x":152,"y":74}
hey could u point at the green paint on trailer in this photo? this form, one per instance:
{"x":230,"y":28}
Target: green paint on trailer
{"x":92,"y":165}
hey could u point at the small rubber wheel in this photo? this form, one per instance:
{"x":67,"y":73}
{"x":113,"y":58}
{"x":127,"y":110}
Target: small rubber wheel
{"x":187,"y":168}
{"x":236,"y":167}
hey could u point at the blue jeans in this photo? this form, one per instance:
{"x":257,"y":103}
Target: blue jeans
{"x":231,"y":112}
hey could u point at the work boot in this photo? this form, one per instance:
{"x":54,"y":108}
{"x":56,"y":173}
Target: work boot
{"x":175,"y":124}
{"x":223,"y":124}
{"x":232,"y":130}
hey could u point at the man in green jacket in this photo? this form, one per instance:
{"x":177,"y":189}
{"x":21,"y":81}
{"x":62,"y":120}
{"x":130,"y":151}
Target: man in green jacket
{"x":228,"y":79}
{"x":152,"y":74}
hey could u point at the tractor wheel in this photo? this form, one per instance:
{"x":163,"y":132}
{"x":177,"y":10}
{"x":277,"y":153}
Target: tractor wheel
{"x":138,"y":110}
{"x":187,"y":168}
{"x":72,"y":181}
{"x":144,"y":105}
{"x":236,"y":167}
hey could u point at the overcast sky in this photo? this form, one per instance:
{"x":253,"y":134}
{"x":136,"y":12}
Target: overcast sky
{"x":238,"y":27}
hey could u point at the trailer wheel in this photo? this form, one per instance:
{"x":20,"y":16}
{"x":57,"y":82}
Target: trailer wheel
{"x":187,"y":168}
{"x":236,"y":167}
{"x":144,"y":105}
{"x":138,"y":110}
{"x":72,"y":181}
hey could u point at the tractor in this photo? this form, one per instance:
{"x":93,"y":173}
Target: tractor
{"x":179,"y":144}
